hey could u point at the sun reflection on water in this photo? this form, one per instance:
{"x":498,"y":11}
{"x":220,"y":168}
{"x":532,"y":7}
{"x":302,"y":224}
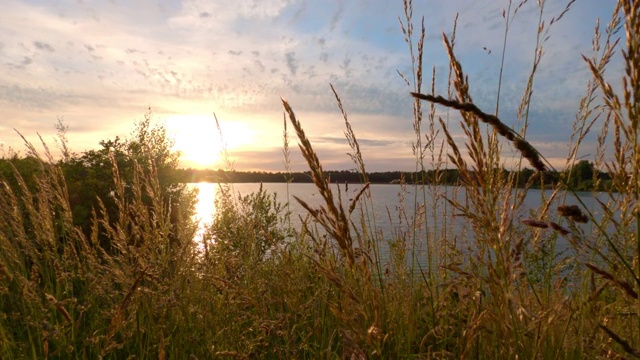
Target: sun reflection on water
{"x":205,"y":206}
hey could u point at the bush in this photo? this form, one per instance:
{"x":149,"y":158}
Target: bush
{"x":245,"y":228}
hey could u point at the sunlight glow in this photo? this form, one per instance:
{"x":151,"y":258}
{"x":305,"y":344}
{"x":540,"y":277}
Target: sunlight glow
{"x":198,"y":139}
{"x":205,"y":206}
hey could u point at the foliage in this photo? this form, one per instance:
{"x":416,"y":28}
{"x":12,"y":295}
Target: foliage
{"x":91,"y":176}
{"x":28,"y":166}
{"x":245,"y":228}
{"x":99,"y":260}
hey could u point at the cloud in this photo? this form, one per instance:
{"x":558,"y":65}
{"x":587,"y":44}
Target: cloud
{"x":238,"y":59}
{"x":290,"y":58}
{"x":367,"y":142}
{"x":337,"y":15}
{"x":43,"y":46}
{"x":30,"y":97}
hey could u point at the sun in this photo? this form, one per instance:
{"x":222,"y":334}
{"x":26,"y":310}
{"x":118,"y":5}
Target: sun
{"x":197,"y":139}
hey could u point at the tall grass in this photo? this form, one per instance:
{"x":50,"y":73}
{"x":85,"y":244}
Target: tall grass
{"x":265,"y":289}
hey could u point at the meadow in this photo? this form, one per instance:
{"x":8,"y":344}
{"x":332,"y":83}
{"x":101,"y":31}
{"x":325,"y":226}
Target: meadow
{"x":98,"y":257}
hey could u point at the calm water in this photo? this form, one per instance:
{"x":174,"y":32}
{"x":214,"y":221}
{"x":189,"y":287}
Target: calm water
{"x":386,"y":199}
{"x":390,"y":208}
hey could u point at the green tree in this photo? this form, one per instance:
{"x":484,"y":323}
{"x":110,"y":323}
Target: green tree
{"x":581,"y":175}
{"x":244,"y":229}
{"x":92,"y":176}
{"x":28,"y":167}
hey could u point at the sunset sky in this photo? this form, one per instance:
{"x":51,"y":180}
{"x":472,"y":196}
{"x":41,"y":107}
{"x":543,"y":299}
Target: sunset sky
{"x":100,"y":65}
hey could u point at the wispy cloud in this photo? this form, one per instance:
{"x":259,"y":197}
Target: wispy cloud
{"x":109,"y":61}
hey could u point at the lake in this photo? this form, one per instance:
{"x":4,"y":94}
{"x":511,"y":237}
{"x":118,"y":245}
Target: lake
{"x":390,"y":208}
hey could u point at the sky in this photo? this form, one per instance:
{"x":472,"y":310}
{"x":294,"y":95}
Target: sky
{"x":101,"y":65}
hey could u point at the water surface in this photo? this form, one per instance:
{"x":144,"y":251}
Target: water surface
{"x":388,"y":208}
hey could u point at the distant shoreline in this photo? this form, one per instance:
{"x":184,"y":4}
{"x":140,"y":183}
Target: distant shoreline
{"x":595,"y":180}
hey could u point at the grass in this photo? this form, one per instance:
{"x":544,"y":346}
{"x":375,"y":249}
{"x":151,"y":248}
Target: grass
{"x":260,"y":288}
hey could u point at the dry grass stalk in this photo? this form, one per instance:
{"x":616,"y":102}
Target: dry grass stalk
{"x":622,"y":284}
{"x":486,"y":306}
{"x":573,"y":212}
{"x":362,"y":190}
{"x":286,"y":152}
{"x":622,"y":342}
{"x":356,"y":156}
{"x":231,"y":354}
{"x":525,"y":148}
{"x":334,"y":220}
{"x":59,"y":307}
{"x":117,"y":320}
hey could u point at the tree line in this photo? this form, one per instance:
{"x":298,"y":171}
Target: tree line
{"x":583,"y":176}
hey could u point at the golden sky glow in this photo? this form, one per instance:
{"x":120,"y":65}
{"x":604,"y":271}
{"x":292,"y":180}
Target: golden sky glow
{"x":100,"y":65}
{"x":199,"y":141}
